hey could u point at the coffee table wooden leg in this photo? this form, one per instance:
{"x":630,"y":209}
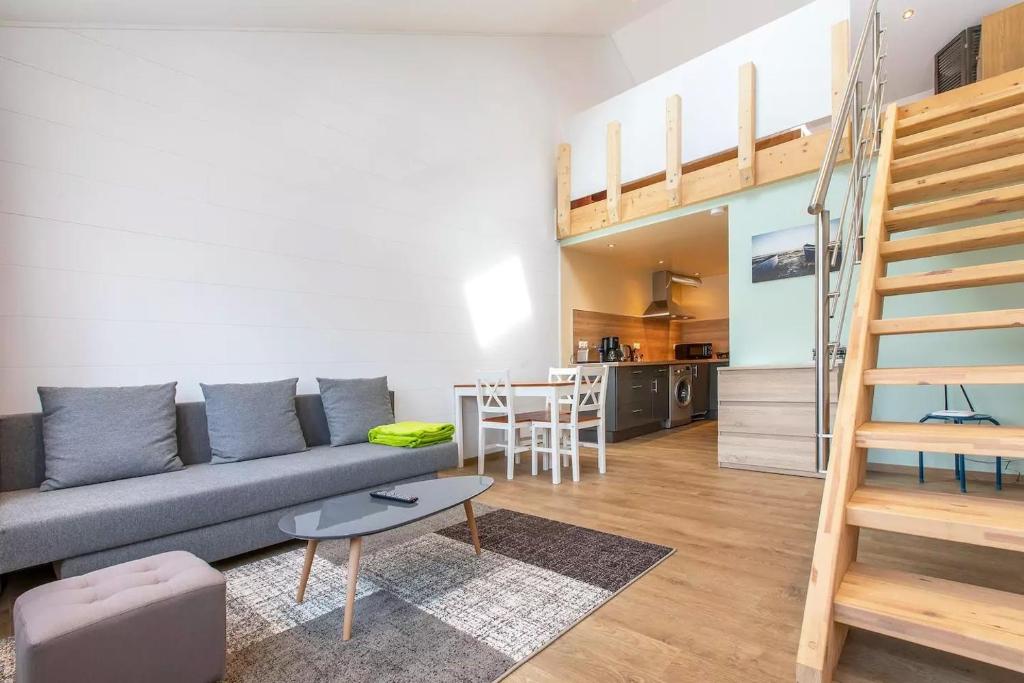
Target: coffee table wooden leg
{"x":355,"y":549}
{"x":471,"y":521}
{"x":310,"y":554}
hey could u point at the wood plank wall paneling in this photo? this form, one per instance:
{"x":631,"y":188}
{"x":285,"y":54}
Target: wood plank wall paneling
{"x":653,"y":334}
{"x":700,"y":331}
{"x":657,"y":337}
{"x":1002,"y":49}
{"x":109,"y":149}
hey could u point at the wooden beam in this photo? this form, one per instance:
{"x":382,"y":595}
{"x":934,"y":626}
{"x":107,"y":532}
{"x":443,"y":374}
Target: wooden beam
{"x":563,"y":190}
{"x":614,"y":167}
{"x":674,"y":149}
{"x":840,"y":64}
{"x":792,"y":158}
{"x":747,"y":124}
{"x":691,"y":166}
{"x":840,"y":74}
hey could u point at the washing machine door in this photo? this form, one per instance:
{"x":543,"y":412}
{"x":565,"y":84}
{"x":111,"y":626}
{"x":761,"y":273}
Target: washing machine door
{"x":682,"y":391}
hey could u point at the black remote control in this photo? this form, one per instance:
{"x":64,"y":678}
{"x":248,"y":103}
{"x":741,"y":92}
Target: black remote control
{"x":390,"y":494}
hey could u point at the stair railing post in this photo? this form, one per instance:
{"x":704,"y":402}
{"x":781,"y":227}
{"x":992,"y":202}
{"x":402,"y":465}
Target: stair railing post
{"x":822,"y":354}
{"x":876,"y":70}
{"x":858,"y":141}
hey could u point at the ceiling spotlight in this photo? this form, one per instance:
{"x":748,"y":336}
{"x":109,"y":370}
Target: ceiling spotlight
{"x":908,"y":13}
{"x":661,"y":262}
{"x":611,"y":246}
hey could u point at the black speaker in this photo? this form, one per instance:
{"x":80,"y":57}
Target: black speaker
{"x":956,"y":64}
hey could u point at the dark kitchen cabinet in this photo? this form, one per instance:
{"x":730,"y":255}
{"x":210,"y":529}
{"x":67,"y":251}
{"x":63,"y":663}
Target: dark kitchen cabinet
{"x":701,"y":388}
{"x":637,"y":400}
{"x":660,"y":392}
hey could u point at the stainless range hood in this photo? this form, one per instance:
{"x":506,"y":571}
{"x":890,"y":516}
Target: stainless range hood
{"x":663,"y":306}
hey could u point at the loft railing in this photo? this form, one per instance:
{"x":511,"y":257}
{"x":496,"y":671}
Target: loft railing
{"x":858,"y":119}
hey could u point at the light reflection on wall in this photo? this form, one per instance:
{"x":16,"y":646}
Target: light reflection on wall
{"x":498,"y":300}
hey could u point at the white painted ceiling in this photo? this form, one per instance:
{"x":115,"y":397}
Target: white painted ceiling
{"x":912,"y":44}
{"x":696,"y":243}
{"x":570,"y":17}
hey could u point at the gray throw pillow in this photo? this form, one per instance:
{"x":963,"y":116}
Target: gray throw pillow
{"x":354,"y":407}
{"x":249,"y":421}
{"x":96,"y":434}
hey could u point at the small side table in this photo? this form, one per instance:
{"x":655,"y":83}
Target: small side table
{"x":959,"y":461}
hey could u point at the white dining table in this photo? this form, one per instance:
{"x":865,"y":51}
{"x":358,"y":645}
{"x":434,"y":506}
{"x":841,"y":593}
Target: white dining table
{"x":552,"y":391}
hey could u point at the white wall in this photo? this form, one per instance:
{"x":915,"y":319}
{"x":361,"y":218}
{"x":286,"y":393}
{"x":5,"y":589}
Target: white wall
{"x":794,"y":84}
{"x":679,"y":30}
{"x":238,"y":206}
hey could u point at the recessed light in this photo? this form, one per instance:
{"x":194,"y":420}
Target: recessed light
{"x":661,"y":262}
{"x":908,"y":13}
{"x":611,"y":246}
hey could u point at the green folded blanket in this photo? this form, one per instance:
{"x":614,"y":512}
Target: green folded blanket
{"x":412,"y":434}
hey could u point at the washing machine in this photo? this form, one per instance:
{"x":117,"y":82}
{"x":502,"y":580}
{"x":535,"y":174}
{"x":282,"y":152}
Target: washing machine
{"x":680,"y":396}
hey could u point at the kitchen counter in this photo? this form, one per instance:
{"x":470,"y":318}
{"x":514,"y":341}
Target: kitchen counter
{"x":625,"y":364}
{"x":783,"y":366}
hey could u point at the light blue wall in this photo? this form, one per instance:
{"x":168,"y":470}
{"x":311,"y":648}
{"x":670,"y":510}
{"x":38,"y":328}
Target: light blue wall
{"x":772,"y":322}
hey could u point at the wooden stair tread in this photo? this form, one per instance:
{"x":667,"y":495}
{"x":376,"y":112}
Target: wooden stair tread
{"x":991,"y":522}
{"x":987,"y":174}
{"x":960,"y":131}
{"x":1005,"y":272}
{"x":955,"y":374}
{"x":950,"y":322}
{"x":989,"y":202}
{"x":980,"y":623}
{"x":961,"y":154}
{"x":1002,"y":234}
{"x":966,"y":439}
{"x":960,"y":111}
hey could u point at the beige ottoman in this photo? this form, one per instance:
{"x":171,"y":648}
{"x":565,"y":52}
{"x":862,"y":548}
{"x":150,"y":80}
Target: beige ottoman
{"x":161,"y":618}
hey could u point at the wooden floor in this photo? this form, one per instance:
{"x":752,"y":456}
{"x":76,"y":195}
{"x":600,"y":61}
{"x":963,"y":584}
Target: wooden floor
{"x":727,"y":606}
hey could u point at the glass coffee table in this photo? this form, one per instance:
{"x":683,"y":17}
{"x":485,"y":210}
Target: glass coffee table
{"x":355,"y":515}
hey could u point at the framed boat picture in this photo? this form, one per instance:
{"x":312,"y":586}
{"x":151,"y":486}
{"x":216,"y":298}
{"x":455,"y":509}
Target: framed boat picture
{"x":787,"y":253}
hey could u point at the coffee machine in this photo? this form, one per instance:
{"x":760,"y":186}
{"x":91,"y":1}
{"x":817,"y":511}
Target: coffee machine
{"x":610,"y":351}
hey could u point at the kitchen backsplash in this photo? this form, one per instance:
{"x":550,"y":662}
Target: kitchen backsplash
{"x":657,"y":337}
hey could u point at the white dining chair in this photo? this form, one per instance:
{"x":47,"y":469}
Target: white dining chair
{"x":495,"y":400}
{"x":543,"y":436}
{"x":586,"y":409}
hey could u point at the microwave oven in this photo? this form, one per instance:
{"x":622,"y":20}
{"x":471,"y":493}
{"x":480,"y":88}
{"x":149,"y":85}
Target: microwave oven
{"x":693,"y":351}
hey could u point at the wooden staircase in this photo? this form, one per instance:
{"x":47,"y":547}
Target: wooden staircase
{"x":958,"y":156}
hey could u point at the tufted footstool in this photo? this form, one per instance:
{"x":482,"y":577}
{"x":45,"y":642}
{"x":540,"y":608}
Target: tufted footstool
{"x":161,"y":618}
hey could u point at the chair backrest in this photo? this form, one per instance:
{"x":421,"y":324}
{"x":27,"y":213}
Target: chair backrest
{"x":591,"y":388}
{"x":566,"y":375}
{"x":494,"y":393}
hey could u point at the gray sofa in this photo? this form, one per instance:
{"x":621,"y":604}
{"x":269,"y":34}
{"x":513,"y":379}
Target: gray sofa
{"x":213,"y":511}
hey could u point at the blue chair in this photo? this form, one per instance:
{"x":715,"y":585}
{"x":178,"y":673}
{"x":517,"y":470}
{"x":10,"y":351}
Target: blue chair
{"x":959,"y":417}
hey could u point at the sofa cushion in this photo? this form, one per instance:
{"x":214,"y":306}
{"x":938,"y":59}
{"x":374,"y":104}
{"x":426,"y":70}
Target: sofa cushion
{"x":97,"y":434}
{"x":248,"y":421}
{"x":354,"y":407}
{"x":43,"y":527}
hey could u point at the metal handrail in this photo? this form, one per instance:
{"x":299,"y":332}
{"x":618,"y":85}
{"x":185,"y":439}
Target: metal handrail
{"x":835,"y":138}
{"x":857,"y":116}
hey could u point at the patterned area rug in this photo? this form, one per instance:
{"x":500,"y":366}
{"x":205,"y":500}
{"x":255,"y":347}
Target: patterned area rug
{"x":427,"y":607}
